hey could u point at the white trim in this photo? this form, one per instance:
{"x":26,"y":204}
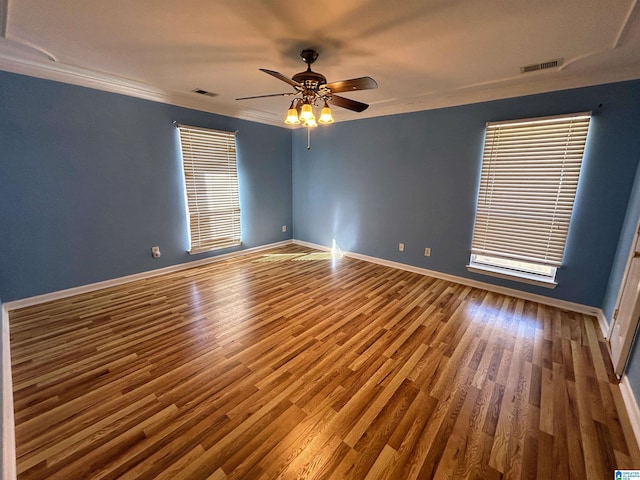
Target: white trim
{"x":23,"y":62}
{"x":507,"y":274}
{"x":605,"y":326}
{"x":302,"y":243}
{"x":554,"y":302}
{"x":17,"y":56}
{"x":47,"y":297}
{"x":8,"y":423}
{"x":627,"y":266}
{"x":631,"y":404}
{"x":623,"y":281}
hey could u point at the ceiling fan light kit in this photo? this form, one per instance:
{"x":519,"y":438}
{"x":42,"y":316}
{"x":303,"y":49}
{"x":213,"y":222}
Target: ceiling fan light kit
{"x":312,"y":90}
{"x":302,"y":112}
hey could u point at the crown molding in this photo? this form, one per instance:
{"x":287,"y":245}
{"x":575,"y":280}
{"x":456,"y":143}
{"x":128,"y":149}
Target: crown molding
{"x":48,"y":69}
{"x":503,"y":89}
{"x":27,"y":60}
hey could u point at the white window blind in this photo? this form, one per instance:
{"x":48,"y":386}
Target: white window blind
{"x":211,"y":185}
{"x":528,"y":183}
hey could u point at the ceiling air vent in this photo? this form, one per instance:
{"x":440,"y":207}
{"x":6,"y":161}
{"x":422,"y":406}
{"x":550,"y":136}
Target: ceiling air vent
{"x":204,"y":92}
{"x":541,"y":66}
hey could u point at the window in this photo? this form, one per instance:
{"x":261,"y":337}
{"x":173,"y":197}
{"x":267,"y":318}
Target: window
{"x":528,"y":183}
{"x":211,"y":186}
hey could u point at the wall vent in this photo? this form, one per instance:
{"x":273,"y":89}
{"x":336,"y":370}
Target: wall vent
{"x":204,"y":92}
{"x":541,"y":66}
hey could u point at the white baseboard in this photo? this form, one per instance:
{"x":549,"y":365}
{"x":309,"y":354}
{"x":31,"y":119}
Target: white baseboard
{"x":633,"y":410}
{"x":8,"y":426}
{"x":554,"y":302}
{"x":47,"y":297}
{"x":603,"y":323}
{"x":312,"y":245}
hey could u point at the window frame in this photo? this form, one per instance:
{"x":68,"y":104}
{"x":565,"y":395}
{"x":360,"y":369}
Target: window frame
{"x":211,"y":188}
{"x":528,"y":184}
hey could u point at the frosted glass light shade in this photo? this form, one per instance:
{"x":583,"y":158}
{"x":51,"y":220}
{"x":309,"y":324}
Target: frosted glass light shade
{"x":325,"y":115}
{"x":311,"y":122}
{"x":292,"y":117}
{"x":307,"y":112}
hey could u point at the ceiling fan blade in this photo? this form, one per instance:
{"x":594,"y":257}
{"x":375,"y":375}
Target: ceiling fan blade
{"x":264,"y":96}
{"x":279,"y":76}
{"x":347,"y":103}
{"x":362,"y":83}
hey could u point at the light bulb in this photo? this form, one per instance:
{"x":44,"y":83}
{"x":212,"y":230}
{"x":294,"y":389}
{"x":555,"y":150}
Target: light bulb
{"x":311,"y":122}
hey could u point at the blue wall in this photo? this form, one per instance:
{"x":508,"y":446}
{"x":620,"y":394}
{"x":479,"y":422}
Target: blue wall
{"x":413,"y":178}
{"x":90,"y":181}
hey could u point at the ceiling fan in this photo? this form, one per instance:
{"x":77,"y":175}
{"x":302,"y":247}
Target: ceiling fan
{"x":311,"y":88}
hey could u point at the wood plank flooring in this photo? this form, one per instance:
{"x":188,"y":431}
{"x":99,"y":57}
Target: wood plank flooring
{"x":266,"y":367}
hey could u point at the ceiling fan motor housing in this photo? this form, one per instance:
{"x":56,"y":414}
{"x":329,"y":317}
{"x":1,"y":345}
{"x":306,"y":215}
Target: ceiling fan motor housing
{"x":310,"y":79}
{"x":311,"y":87}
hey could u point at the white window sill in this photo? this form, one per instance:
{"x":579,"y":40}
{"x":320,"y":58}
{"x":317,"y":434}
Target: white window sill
{"x":196,"y":251}
{"x":530,"y":278}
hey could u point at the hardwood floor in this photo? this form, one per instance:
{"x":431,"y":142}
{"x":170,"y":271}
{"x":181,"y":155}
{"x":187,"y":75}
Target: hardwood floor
{"x":280,"y":367}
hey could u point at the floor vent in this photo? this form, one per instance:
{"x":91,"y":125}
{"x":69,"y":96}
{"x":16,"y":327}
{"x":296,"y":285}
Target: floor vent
{"x":204,"y":92}
{"x":541,"y":66}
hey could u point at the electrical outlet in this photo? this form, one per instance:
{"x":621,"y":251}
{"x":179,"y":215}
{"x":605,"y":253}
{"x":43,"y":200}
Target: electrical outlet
{"x":401,"y":247}
{"x":427,"y":252}
{"x":284,"y":228}
{"x":155,"y":252}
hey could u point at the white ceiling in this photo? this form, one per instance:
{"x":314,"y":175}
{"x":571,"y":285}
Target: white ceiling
{"x":423,"y":53}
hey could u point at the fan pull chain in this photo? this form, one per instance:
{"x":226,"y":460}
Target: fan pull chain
{"x":308,"y":138}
